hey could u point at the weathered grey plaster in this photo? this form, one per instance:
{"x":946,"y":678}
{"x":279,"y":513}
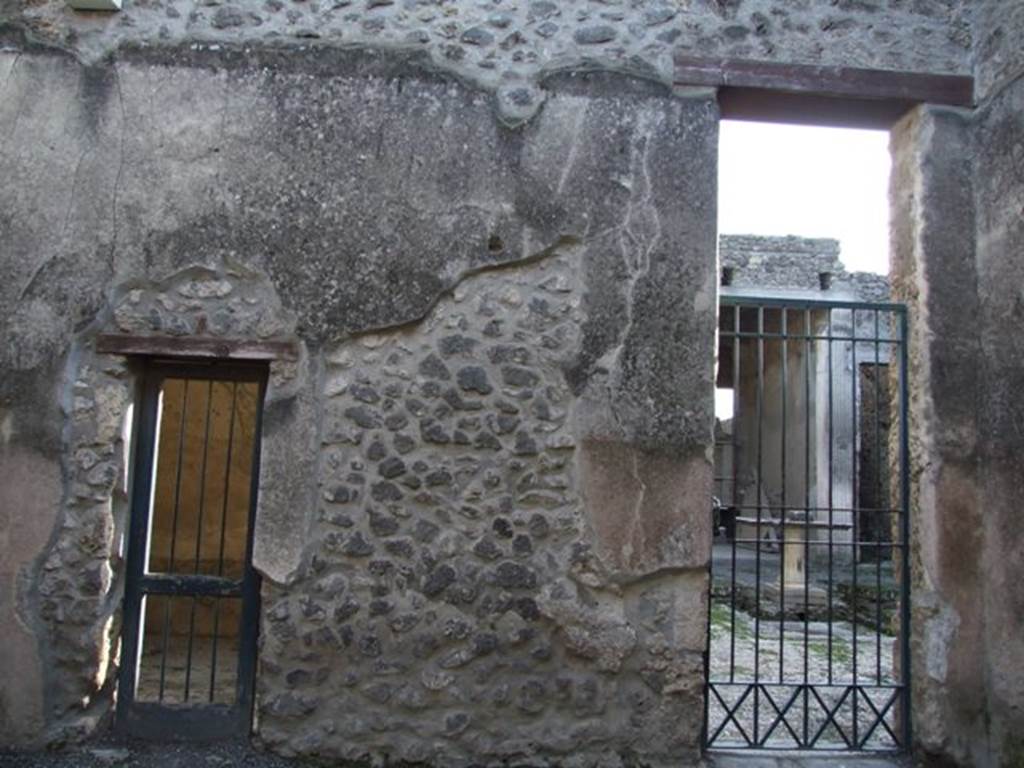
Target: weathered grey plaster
{"x":240,"y":193}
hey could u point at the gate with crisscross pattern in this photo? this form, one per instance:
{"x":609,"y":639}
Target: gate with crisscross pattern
{"x":807,"y":638}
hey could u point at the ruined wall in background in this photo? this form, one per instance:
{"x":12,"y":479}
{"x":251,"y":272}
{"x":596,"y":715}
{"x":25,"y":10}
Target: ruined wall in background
{"x":759,"y":262}
{"x":778,"y":262}
{"x":483,"y":494}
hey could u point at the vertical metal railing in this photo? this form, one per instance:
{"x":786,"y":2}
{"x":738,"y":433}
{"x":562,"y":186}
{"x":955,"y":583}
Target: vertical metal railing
{"x":809,"y":605}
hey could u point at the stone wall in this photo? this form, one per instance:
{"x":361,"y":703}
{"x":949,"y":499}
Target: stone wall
{"x":998,"y":54}
{"x":454,"y":606}
{"x":958,"y":199}
{"x":509,"y":44}
{"x":485,"y":478}
{"x":964,"y":446}
{"x":484,"y":482}
{"x":1000,"y":261}
{"x":795,"y":263}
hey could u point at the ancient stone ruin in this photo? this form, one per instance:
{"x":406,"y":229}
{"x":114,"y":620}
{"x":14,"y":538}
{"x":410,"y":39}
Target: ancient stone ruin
{"x":359,"y":359}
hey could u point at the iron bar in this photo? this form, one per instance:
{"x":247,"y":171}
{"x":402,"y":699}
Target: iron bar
{"x":182,"y":585}
{"x":807,"y":361}
{"x":863,"y":543}
{"x":836,"y":508}
{"x":802,"y":337}
{"x":760,"y":478}
{"x":877,"y":406}
{"x":736,"y":405}
{"x":199,"y":531}
{"x":783,"y":375}
{"x":223,"y":527}
{"x":831,"y":476}
{"x":855,"y":518}
{"x":904,"y":469}
{"x":174,"y":529}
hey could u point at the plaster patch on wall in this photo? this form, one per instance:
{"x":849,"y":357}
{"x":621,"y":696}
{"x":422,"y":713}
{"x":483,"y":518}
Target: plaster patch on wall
{"x":940,"y":630}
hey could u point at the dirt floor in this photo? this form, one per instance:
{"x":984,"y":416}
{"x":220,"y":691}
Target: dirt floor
{"x":149,"y":755}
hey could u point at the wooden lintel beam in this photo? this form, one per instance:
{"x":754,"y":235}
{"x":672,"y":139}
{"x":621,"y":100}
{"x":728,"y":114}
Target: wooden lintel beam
{"x":195,"y":347}
{"x":808,"y":109}
{"x":751,"y":86}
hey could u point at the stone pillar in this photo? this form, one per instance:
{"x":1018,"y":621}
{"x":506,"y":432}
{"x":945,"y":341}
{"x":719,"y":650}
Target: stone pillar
{"x":933,"y":220}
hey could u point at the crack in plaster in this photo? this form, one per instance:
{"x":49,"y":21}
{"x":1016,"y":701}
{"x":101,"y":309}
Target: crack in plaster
{"x":117,"y":178}
{"x":636,"y":525}
{"x":562,"y":242}
{"x":636,"y":244}
{"x":63,"y":230}
{"x":574,"y":146}
{"x":21,"y":103}
{"x":10,"y":72}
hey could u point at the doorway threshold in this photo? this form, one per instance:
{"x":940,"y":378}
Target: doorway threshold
{"x":794,"y":759}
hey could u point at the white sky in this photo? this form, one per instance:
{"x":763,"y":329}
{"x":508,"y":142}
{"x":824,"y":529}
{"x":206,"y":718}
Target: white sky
{"x":807,"y":181}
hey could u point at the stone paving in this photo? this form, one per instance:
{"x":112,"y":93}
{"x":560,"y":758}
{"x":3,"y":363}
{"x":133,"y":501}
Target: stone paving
{"x":790,"y":760}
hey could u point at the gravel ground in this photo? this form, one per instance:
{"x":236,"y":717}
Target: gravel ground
{"x":123,"y":754}
{"x":797,"y":635}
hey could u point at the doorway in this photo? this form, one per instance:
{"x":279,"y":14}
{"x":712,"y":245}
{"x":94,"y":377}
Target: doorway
{"x":191,"y":595}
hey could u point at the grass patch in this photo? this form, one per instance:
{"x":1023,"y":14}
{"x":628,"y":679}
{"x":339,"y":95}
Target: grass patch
{"x":841,"y":652}
{"x":721,"y":618}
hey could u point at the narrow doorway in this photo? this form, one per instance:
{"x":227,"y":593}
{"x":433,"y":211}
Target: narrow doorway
{"x":809,"y":601}
{"x":191,"y":595}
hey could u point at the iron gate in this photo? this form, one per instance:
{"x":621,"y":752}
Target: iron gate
{"x":191,"y":597}
{"x":808,"y":643}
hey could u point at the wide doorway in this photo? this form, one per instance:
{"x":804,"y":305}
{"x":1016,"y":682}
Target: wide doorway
{"x":191,"y":596}
{"x":809,"y":603}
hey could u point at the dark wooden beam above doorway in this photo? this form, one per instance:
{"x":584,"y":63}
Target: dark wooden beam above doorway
{"x":819,"y":95}
{"x":195,"y":347}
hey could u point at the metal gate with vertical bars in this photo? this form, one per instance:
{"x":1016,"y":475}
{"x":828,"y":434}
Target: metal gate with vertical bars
{"x":191,"y":596}
{"x":809,"y":605}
